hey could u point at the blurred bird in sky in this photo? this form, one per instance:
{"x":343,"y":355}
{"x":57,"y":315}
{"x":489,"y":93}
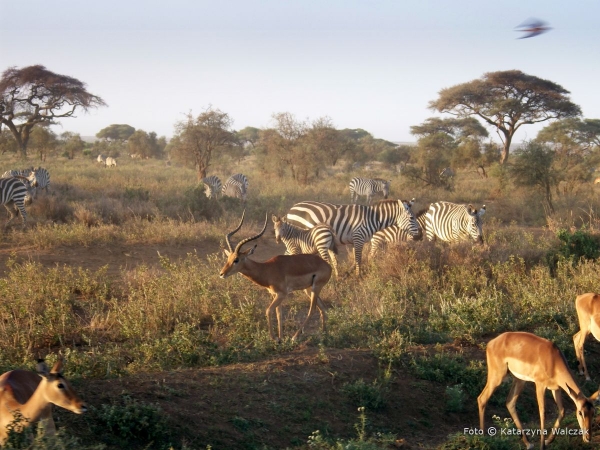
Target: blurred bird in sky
{"x":533,"y":27}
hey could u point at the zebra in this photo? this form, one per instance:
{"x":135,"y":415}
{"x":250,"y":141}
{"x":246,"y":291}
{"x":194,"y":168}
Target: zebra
{"x":355,"y":224}
{"x":236,"y":186}
{"x":110,"y":162}
{"x":101,"y":159}
{"x":447,"y":173}
{"x":212,"y":186}
{"x":394,"y":233}
{"x":15,"y":193}
{"x":368,"y":187}
{"x":451,"y":222}
{"x":40,"y":178}
{"x":318,"y":240}
{"x":27,"y":174}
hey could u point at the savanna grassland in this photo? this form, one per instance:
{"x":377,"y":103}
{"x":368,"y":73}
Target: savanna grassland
{"x":118,"y":270}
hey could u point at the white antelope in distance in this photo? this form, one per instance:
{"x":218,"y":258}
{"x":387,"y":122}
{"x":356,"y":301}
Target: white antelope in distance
{"x":531,"y":358}
{"x":588,"y":313}
{"x":110,"y":162}
{"x":319,"y":240}
{"x":101,"y":159}
{"x":280,"y":275}
{"x":33,"y":394}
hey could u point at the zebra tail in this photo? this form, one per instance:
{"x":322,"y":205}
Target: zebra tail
{"x":333,"y":247}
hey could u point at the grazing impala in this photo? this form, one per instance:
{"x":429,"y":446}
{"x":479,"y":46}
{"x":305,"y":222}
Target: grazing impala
{"x":32,"y":395}
{"x":588,"y":313}
{"x":280,"y":275}
{"x":531,"y":358}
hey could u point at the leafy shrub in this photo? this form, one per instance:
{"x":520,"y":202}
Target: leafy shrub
{"x":372,"y":396}
{"x":575,"y":246}
{"x":132,"y":422}
{"x":455,"y":398}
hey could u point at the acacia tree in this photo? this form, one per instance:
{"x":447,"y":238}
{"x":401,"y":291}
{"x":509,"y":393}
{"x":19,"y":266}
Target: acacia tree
{"x":197,"y":140}
{"x":34,"y":95}
{"x":116,"y":133}
{"x":72,"y":143}
{"x":42,"y":140}
{"x":506,"y":100}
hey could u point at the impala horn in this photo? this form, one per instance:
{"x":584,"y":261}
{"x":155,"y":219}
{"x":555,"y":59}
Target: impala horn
{"x":228,"y":235}
{"x":239,"y":246}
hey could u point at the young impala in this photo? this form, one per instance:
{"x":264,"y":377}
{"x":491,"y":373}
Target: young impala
{"x":588,"y":313}
{"x":32,"y":395}
{"x":531,"y":358}
{"x":280,"y":275}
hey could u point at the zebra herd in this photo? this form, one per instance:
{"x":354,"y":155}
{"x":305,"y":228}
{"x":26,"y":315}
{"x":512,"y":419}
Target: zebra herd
{"x":108,"y":161}
{"x":236,"y":186}
{"x":19,"y":187}
{"x":382,"y":223}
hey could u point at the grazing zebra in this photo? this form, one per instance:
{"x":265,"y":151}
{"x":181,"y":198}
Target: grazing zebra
{"x":236,"y":186}
{"x":212,"y":186}
{"x":451,"y":222}
{"x":101,"y":159}
{"x":368,"y":187}
{"x":15,"y":192}
{"x":27,"y":174}
{"x":394,"y":233}
{"x":355,"y":224}
{"x":319,"y":240}
{"x":40,"y":178}
{"x":110,"y":162}
{"x":447,"y":173}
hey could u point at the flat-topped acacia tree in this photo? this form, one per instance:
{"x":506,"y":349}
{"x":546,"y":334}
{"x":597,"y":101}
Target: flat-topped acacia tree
{"x":34,"y":95}
{"x":507,"y":100}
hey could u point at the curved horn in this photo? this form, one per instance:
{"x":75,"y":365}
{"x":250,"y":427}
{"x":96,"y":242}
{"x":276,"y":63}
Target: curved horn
{"x":239,"y":246}
{"x":228,"y":235}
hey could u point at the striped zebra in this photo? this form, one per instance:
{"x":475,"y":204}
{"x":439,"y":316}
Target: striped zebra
{"x":355,"y":224}
{"x":40,"y":178}
{"x":394,"y":234}
{"x":110,"y":162}
{"x":451,"y":222}
{"x":318,"y":240}
{"x":212,"y":186}
{"x":29,"y":174}
{"x":15,"y":193}
{"x":368,"y":187}
{"x":236,"y":186}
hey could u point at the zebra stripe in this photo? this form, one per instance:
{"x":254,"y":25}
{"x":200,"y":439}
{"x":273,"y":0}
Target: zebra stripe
{"x":355,"y":224}
{"x":13,"y":194}
{"x":236,"y":186}
{"x":394,"y":234}
{"x":30,"y":175}
{"x":451,"y":222}
{"x":212,"y":186}
{"x":368,"y":187}
{"x":319,"y":240}
{"x":41,"y":178}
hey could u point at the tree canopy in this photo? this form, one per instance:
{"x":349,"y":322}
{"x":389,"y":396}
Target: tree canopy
{"x":34,"y":95}
{"x":506,"y":100}
{"x":116,"y":132}
{"x":196,"y":140}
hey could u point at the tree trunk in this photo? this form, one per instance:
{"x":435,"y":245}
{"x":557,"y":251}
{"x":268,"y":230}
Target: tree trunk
{"x":505,"y":150}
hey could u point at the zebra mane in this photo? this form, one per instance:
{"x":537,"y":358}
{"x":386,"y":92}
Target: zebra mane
{"x":421,"y":212}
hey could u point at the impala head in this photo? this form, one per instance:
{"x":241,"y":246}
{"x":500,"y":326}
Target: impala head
{"x":475,"y":223}
{"x":585,"y":411}
{"x":58,"y":390}
{"x":236,"y":257}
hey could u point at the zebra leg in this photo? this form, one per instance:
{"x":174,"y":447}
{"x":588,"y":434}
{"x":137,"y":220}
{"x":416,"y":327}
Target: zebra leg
{"x":21,"y":207}
{"x":358,"y":248}
{"x":12,"y":211}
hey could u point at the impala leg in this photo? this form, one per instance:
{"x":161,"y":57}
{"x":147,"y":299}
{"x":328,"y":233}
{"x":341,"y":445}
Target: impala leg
{"x":494,"y":379}
{"x":578,"y":341}
{"x":511,"y":405}
{"x":313,"y":300}
{"x":540,"y":390}
{"x":333,"y":260}
{"x":277,"y":299}
{"x":561,"y":413}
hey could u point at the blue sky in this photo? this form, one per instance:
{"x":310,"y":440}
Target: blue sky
{"x":365,"y":64}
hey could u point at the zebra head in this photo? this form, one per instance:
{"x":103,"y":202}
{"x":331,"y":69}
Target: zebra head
{"x":31,"y":189}
{"x":407,"y":221}
{"x":236,"y":257}
{"x":475,"y":224}
{"x":279,"y":225}
{"x":385,"y":188}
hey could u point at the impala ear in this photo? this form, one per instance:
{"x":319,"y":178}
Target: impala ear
{"x":42,"y":368}
{"x":571,"y":392}
{"x":58,"y":366}
{"x":227,"y":252}
{"x":251,"y":251}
